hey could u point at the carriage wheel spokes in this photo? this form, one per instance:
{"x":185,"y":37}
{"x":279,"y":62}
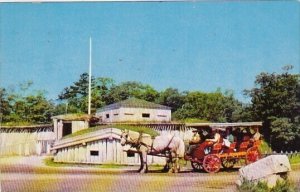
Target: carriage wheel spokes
{"x":211,"y":163}
{"x":196,"y":166}
{"x":252,"y":155}
{"x":228,"y":163}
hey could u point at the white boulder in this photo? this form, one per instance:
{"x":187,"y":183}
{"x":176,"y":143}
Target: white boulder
{"x":267,"y":169}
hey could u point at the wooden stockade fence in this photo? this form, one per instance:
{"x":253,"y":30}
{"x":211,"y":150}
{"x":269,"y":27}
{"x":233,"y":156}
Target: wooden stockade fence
{"x":26,"y":140}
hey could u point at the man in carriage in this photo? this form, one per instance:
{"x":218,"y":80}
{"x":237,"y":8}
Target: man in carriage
{"x":228,"y":137}
{"x":199,"y":136}
{"x":194,"y":142}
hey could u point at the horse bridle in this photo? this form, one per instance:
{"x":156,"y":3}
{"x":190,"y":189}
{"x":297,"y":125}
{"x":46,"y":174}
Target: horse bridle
{"x":130,"y":141}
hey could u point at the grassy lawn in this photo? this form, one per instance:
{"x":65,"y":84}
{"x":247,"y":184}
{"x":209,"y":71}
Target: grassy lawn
{"x":295,"y":161}
{"x":49,"y":162}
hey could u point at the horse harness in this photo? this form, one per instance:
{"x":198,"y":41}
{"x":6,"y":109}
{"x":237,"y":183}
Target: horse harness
{"x":138,"y":143}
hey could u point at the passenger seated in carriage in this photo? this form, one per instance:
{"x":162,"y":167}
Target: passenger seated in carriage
{"x":228,"y":137}
{"x":198,"y":139}
{"x":194,"y":142}
{"x":217,"y":139}
{"x":256,"y":136}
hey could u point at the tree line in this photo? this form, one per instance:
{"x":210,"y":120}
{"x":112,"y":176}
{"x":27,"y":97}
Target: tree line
{"x":275,"y":100}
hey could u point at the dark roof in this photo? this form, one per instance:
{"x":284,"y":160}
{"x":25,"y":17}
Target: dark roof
{"x":133,"y":103}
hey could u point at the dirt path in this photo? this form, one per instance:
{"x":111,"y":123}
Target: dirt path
{"x":30,"y":174}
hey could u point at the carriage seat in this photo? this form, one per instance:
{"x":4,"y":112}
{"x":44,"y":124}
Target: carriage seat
{"x":244,"y":146}
{"x":231,"y":148}
{"x":216,"y":148}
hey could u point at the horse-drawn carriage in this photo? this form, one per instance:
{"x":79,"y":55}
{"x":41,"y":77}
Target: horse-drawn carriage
{"x":209,"y":155}
{"x":169,"y":146}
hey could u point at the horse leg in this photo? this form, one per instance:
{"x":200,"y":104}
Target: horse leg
{"x":175,"y":163}
{"x":170,"y":162}
{"x":167,"y":166}
{"x":142,"y":162}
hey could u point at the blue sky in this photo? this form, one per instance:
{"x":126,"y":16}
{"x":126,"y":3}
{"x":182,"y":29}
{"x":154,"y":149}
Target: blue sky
{"x":186,"y":45}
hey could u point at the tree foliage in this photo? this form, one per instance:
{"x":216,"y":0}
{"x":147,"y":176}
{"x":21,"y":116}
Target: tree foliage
{"x":276,"y":102}
{"x":25,"y":105}
{"x":171,"y":97}
{"x":75,"y":97}
{"x":135,"y":89}
{"x":215,"y":107}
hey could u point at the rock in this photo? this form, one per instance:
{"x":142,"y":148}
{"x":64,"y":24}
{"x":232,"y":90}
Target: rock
{"x":267,"y":170}
{"x":264,"y":167}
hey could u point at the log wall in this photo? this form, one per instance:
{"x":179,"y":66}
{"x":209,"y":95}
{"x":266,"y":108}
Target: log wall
{"x":26,"y":140}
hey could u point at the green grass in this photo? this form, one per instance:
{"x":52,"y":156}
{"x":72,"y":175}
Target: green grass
{"x":49,"y":161}
{"x":295,"y":159}
{"x":281,"y":186}
{"x":192,"y":120}
{"x":142,"y":129}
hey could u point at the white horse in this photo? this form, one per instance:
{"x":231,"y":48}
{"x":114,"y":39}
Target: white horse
{"x":168,"y":146}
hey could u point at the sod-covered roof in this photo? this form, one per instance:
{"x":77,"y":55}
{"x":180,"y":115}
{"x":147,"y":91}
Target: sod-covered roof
{"x":140,"y":129}
{"x":133,"y":103}
{"x":73,"y":117}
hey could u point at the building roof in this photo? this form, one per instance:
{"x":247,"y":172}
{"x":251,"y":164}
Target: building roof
{"x":223,"y":126}
{"x":133,"y":103}
{"x":73,"y":117}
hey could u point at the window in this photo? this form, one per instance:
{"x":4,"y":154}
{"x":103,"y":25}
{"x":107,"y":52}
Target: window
{"x":161,"y":115}
{"x":94,"y":153}
{"x":128,"y":113}
{"x":146,"y":115}
{"x":107,"y":115}
{"x":116,"y":114}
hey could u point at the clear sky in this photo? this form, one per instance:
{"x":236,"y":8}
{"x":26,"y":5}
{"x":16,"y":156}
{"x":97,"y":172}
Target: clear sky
{"x":185,"y":45}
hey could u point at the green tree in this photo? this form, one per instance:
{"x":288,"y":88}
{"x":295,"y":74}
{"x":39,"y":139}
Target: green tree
{"x":135,"y":89}
{"x":172,"y":98}
{"x":75,"y":97}
{"x":276,"y":102}
{"x":5,"y":107}
{"x":215,"y":107}
{"x":25,"y":105}
{"x":38,"y":109}
{"x":76,"y":94}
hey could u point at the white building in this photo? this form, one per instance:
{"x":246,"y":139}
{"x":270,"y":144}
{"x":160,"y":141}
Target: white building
{"x":134,"y":110}
{"x":70,"y":123}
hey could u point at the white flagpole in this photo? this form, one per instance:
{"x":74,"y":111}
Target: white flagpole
{"x":90,"y":77}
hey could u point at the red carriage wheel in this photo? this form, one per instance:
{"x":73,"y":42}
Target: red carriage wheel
{"x":228,"y":163}
{"x":211,"y":163}
{"x":196,"y":166}
{"x":252,"y":155}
